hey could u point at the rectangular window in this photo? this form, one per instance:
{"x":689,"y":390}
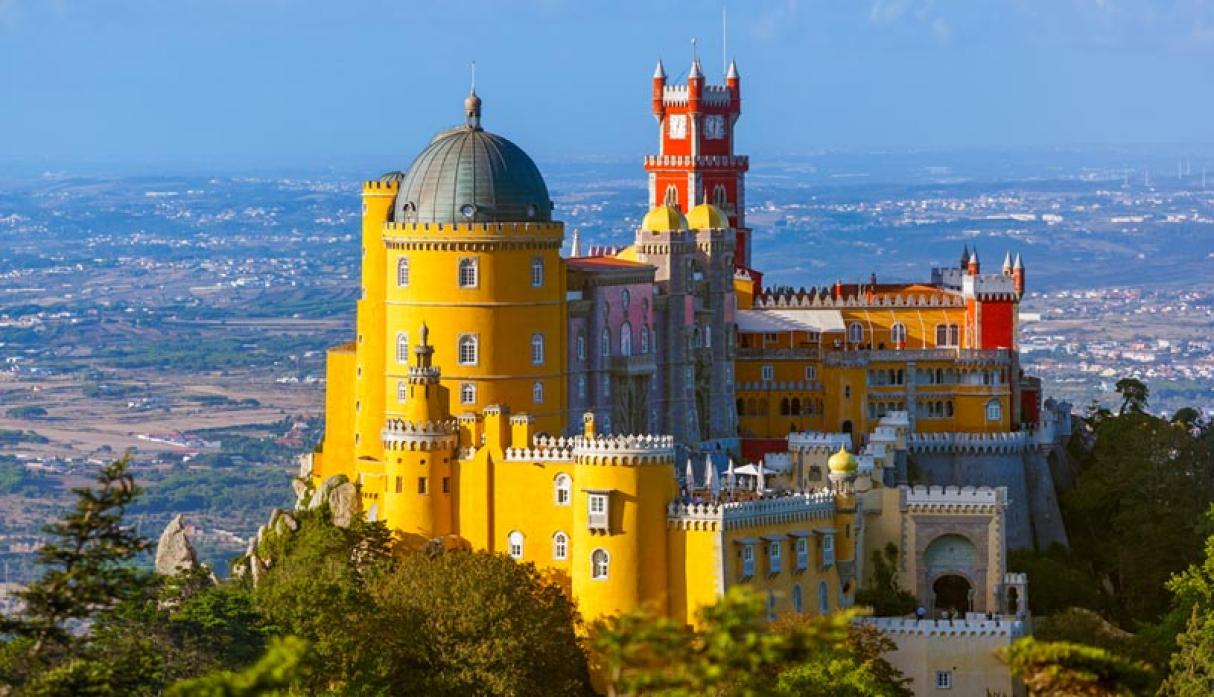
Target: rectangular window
{"x":802,"y":553}
{"x":537,"y":272}
{"x":469,"y":272}
{"x":421,"y":485}
{"x":811,"y":373}
{"x":400,"y":484}
{"x":598,"y":512}
{"x":748,"y":560}
{"x":467,"y":393}
{"x":769,"y":373}
{"x":828,"y":550}
{"x":944,"y":680}
{"x":773,"y":557}
{"x":446,"y":485}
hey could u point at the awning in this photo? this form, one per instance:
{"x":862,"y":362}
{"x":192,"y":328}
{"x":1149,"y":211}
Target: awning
{"x":771,"y":321}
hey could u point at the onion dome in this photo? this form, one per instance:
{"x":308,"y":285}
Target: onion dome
{"x":707,"y":217}
{"x":842,"y":462}
{"x":664,"y":219}
{"x":469,"y":175}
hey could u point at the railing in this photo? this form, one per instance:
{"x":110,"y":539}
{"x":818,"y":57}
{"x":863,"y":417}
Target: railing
{"x":999,"y":356}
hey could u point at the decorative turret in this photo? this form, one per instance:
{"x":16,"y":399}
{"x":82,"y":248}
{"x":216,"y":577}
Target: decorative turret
{"x":695,"y":85}
{"x":659,"y":89}
{"x":975,"y":266}
{"x":472,"y":110}
{"x":575,"y":246}
{"x":965,"y":256}
{"x":1018,"y":276}
{"x":1007,"y":264}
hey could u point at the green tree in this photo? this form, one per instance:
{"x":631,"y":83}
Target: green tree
{"x":1061,"y":669}
{"x":882,"y":592}
{"x":1191,"y":670}
{"x":285,"y":664}
{"x":1134,"y":394}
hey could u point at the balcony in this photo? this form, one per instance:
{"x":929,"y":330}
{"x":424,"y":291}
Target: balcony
{"x":641,"y":364}
{"x":984,"y":356}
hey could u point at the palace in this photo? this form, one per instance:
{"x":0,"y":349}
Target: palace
{"x":585,"y":412}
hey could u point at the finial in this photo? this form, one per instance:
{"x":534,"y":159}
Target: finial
{"x":473,"y":88}
{"x":1007,"y":261}
{"x":659,"y":73}
{"x":696,"y":72}
{"x":472,"y":104}
{"x":732,"y":74}
{"x":575,"y":247}
{"x":1018,"y":264}
{"x":425,"y":334}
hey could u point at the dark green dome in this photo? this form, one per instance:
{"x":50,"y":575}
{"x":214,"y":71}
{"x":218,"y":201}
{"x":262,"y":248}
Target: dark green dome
{"x":468,"y":175}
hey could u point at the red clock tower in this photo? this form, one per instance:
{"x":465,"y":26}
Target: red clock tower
{"x":695,"y":161}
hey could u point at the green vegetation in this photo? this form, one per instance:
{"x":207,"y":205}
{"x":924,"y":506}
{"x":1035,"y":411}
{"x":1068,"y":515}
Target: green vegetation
{"x":12,"y":436}
{"x":1061,"y":669}
{"x":26,"y":412}
{"x":882,"y":592}
{"x":16,"y":478}
{"x":244,"y":491}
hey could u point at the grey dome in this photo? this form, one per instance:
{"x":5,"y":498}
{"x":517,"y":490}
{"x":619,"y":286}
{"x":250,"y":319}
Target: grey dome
{"x":468,"y":175}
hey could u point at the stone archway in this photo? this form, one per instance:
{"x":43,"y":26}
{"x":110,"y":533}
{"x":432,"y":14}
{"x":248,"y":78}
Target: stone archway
{"x":952,"y":592}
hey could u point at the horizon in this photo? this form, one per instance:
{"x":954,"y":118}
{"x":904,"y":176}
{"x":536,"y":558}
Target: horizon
{"x":232,"y":87}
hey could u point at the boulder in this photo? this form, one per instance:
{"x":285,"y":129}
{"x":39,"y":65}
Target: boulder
{"x":174,"y":553}
{"x":343,"y":504}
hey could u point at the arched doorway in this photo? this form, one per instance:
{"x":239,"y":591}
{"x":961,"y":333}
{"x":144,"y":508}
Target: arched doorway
{"x":951,"y":592}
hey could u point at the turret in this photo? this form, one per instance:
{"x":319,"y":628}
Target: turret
{"x":659,"y":88}
{"x":975,"y":267}
{"x":1007,"y":264}
{"x":965,"y":256}
{"x":734,"y":82}
{"x":1018,"y":276}
{"x":695,"y":86}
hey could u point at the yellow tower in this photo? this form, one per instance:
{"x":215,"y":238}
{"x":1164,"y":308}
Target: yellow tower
{"x":470,"y":248}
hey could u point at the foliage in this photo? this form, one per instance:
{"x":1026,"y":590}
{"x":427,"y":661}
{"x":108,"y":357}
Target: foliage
{"x":1134,"y":394}
{"x":15,"y":436}
{"x":16,"y":478}
{"x":1057,"y":580}
{"x":249,"y":489}
{"x":1062,"y":669}
{"x":1084,"y":626}
{"x":28,"y":411}
{"x":284,"y":664}
{"x":882,"y":592}
{"x":735,"y":651}
{"x":1192,"y":615}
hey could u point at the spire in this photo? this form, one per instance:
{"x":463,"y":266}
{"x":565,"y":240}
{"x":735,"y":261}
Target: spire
{"x":731,"y":479}
{"x":575,"y":247}
{"x":659,"y":73}
{"x":690,"y":479}
{"x":710,"y":477}
{"x":1018,"y":265}
{"x":732,"y":73}
{"x":695,"y":72}
{"x":761,"y":479}
{"x":423,"y":350}
{"x":974,"y":256}
{"x":1007,"y":262}
{"x":965,"y":255}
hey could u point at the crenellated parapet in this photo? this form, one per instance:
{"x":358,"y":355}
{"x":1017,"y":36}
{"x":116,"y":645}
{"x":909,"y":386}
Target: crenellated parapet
{"x":953,"y":499}
{"x":739,"y":515}
{"x":824,"y":300}
{"x":814,"y":441}
{"x":628,"y":450}
{"x":776,"y":385}
{"x":958,"y":356}
{"x":472,"y":236}
{"x":697,"y":161}
{"x":539,"y":454}
{"x":960,"y":628}
{"x":1012,"y":442}
{"x":401,"y":434}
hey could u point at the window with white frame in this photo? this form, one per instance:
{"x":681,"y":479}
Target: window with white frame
{"x":581,"y":346}
{"x":768,"y":372}
{"x":855,"y":332}
{"x":597,"y":505}
{"x":560,"y":546}
{"x":402,"y":391}
{"x":944,"y":680}
{"x":402,"y":272}
{"x":954,"y":335}
{"x":402,"y":347}
{"x":828,"y":549}
{"x":994,"y":410}
{"x":797,"y":603}
{"x":773,"y":557}
{"x":537,"y":349}
{"x":748,"y":560}
{"x":672,"y":195}
{"x":719,"y":198}
{"x":563,"y":489}
{"x":823,"y":598}
{"x":811,"y":373}
{"x":514,"y":544}
{"x":537,"y":272}
{"x":898,"y":333}
{"x":600,"y":564}
{"x":537,"y":392}
{"x":644,"y":339}
{"x":626,"y":339}
{"x":469,"y":272}
{"x":605,"y":343}
{"x":802,"y":553}
{"x":469,"y":352}
{"x":467,"y":393}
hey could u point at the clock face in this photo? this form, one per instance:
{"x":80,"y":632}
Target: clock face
{"x":714,"y":127}
{"x":678,"y":127}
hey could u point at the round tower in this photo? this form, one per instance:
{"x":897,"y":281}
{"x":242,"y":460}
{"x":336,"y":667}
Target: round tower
{"x":471,"y":250}
{"x":619,"y":530}
{"x":419,"y":451}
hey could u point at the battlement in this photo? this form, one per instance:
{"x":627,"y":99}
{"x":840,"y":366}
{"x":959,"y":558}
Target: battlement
{"x":777,"y":386}
{"x":643,"y":449}
{"x":967,"y":443}
{"x":1015,"y":579}
{"x":470,"y":231}
{"x":953,"y":498}
{"x":813,"y":440}
{"x":826,"y":300}
{"x":697,"y":161}
{"x":960,"y":628}
{"x":956,"y":355}
{"x":539,"y":454}
{"x":401,"y":434}
{"x":733,"y":515}
{"x":377,"y":186}
{"x":989,"y":287}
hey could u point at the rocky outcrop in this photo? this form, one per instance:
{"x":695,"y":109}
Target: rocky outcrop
{"x":174,"y":553}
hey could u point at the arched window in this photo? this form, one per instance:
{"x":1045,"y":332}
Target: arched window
{"x":719,"y":198}
{"x":644,"y":339}
{"x":469,"y":272}
{"x":537,"y":272}
{"x":560,"y":546}
{"x":741,"y":406}
{"x":784,"y":407}
{"x":605,"y":343}
{"x":537,"y":393}
{"x":626,"y":339}
{"x":469,"y":351}
{"x":402,"y":347}
{"x":467,"y":393}
{"x":823,"y":598}
{"x":796,"y":406}
{"x":402,"y":272}
{"x":898,"y":334}
{"x":581,"y":387}
{"x":626,"y":299}
{"x":942,"y":335}
{"x":707,"y":336}
{"x":600,"y":564}
{"x":402,"y":391}
{"x":855,"y":332}
{"x":797,"y":603}
{"x":537,"y":349}
{"x":581,"y":346}
{"x":672,"y":195}
{"x":954,"y":335}
{"x":563,"y":489}
{"x":994,"y":410}
{"x":514,"y":544}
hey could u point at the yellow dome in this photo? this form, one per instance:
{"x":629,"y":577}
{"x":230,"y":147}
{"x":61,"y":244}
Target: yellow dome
{"x":707,"y":217}
{"x":664,"y":219}
{"x":842,"y":462}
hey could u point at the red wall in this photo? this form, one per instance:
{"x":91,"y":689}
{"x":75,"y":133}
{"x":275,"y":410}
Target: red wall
{"x":997,"y":324}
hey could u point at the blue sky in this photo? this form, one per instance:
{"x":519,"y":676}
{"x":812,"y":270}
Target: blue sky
{"x":257,"y":84}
